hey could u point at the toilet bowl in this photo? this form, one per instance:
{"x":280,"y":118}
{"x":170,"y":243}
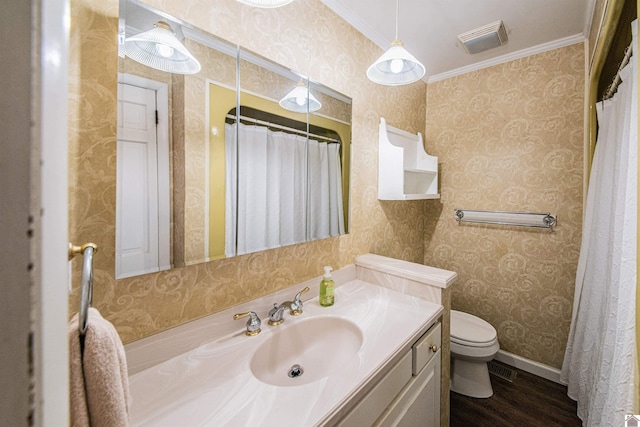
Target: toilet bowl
{"x":474,"y":342}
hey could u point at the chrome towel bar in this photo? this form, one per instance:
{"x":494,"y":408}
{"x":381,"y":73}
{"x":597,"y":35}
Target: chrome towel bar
{"x":87,"y":250}
{"x":520,"y":219}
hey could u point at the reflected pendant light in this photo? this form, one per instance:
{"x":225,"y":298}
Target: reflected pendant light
{"x":266,"y":3}
{"x":300,"y":100}
{"x":159,"y":48}
{"x":396,"y":66}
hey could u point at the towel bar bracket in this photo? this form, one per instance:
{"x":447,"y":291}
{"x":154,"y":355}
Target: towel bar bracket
{"x":77,"y":250}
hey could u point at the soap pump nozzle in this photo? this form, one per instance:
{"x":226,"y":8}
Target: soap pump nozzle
{"x":327,"y":272}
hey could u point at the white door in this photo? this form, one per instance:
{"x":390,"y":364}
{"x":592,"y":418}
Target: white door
{"x":137,"y":191}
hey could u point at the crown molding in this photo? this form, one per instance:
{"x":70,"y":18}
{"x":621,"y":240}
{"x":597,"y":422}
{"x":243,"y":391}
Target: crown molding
{"x":556,"y":44}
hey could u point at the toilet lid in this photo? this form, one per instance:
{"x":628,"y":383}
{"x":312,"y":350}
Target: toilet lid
{"x":469,"y":329}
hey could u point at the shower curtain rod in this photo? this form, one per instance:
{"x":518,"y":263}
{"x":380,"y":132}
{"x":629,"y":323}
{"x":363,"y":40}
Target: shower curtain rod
{"x":286,"y":128}
{"x":616,"y":80}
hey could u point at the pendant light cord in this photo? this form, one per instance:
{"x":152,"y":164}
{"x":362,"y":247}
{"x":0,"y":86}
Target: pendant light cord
{"x":397,"y":13}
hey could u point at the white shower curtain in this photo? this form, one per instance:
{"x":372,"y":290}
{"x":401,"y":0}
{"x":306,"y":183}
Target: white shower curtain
{"x":599,"y":361}
{"x":325,"y":195}
{"x":272,"y":206}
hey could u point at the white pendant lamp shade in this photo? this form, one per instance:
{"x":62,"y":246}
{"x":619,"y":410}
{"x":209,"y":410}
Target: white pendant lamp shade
{"x":396,"y":67}
{"x":300,"y":100}
{"x":159,"y":48}
{"x":266,"y":3}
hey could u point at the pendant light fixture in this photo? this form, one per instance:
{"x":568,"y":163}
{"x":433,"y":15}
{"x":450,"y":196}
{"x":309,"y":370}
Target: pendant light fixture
{"x":266,"y":3}
{"x":159,"y":48}
{"x":300,"y":100}
{"x":396,"y":66}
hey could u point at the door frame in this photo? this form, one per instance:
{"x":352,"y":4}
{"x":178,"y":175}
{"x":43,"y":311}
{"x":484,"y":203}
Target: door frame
{"x":52,"y":357}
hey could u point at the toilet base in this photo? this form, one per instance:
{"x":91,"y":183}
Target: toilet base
{"x":470,"y":378}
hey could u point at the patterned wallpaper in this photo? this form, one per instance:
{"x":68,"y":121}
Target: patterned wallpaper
{"x":510,"y":137}
{"x":305,"y":36}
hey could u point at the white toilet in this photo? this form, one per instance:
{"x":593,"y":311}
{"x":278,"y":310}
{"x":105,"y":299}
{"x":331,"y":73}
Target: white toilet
{"x":474,"y":342}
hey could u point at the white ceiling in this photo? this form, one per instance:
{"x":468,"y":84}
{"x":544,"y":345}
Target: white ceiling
{"x":429,"y":28}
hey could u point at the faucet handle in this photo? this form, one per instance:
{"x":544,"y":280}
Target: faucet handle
{"x":296,"y":305}
{"x":253,"y":324}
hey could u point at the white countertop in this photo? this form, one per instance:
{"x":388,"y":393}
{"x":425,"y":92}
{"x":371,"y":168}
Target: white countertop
{"x":212,"y":385}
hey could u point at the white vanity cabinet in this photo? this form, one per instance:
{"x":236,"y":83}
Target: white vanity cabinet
{"x":409,"y":393}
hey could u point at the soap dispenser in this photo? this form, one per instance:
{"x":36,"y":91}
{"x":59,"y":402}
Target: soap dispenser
{"x":326,"y":288}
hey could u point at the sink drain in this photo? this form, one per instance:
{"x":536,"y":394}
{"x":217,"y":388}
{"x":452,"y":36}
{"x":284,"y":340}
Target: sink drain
{"x":295,"y":371}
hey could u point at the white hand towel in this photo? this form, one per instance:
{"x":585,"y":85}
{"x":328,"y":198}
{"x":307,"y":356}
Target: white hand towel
{"x":99,"y":394}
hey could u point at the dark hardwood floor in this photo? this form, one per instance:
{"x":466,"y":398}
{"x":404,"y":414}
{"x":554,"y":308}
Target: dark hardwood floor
{"x":528,"y":401}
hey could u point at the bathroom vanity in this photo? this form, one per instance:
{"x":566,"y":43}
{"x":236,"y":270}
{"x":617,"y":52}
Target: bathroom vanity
{"x":372,"y":358}
{"x":409,"y":394}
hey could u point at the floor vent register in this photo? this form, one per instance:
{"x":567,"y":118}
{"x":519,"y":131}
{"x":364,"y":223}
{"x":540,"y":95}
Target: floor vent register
{"x":502,"y":371}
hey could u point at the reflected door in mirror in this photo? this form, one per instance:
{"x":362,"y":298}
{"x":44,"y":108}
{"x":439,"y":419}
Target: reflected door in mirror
{"x":142,"y":237}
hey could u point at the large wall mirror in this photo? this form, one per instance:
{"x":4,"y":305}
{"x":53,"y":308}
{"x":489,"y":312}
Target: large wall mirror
{"x":222,"y":152}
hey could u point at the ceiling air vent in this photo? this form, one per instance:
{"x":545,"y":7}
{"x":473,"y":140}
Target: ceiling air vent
{"x":484,"y":38}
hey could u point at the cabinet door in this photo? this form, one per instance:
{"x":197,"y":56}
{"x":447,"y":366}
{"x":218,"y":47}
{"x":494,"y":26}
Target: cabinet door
{"x":419,"y":403}
{"x":425,"y":408}
{"x":372,"y":405}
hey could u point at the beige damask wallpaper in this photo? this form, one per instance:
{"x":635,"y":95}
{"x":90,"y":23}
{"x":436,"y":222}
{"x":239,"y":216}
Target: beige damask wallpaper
{"x":510,"y":137}
{"x":305,"y":36}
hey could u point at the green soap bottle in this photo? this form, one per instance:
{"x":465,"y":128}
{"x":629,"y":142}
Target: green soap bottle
{"x":326,"y":288}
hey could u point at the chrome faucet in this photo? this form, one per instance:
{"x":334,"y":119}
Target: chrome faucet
{"x":275,"y":314}
{"x":295,"y":308}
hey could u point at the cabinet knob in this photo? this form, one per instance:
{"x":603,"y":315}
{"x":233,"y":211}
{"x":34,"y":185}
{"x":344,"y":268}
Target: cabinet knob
{"x":434,"y":348}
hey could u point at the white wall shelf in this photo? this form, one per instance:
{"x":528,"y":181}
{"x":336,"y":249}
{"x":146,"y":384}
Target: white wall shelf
{"x":405,"y":170}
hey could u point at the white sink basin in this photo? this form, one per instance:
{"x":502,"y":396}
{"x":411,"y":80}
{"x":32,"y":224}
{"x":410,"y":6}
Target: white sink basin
{"x":306,"y":351}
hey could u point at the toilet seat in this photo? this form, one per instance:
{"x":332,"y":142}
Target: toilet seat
{"x":469,"y":330}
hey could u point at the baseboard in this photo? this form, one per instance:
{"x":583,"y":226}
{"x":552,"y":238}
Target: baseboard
{"x":535,"y":368}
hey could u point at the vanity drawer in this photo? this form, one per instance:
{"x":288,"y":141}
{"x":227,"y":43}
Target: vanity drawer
{"x":423,"y":349}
